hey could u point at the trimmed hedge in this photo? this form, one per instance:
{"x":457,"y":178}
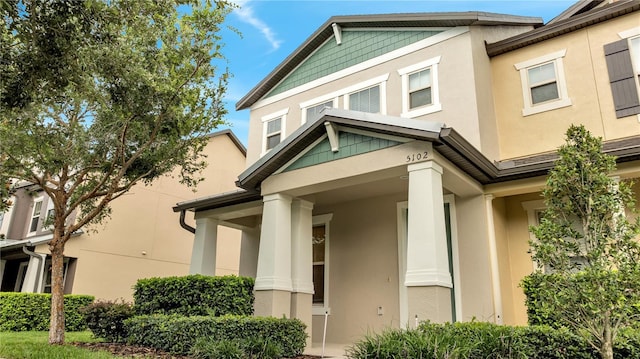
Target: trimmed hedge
{"x":32,"y":311}
{"x":485,"y":340}
{"x":106,"y":319}
{"x":194,"y":295}
{"x":177,"y":334}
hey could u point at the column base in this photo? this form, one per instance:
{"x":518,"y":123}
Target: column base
{"x":301,"y":308}
{"x":429,"y":303}
{"x":272,"y":303}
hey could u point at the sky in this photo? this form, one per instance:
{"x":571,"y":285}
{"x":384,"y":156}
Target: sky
{"x":272,"y":29}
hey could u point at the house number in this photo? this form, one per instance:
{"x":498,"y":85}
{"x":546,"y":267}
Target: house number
{"x":417,"y":156}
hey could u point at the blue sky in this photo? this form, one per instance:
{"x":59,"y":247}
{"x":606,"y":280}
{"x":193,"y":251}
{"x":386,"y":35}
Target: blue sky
{"x":272,"y":29}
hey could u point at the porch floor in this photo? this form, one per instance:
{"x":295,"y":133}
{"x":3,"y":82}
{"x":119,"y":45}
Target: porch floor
{"x":331,"y":350}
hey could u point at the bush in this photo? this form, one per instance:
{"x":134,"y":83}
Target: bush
{"x":251,"y":348}
{"x":106,"y":319}
{"x":194,"y":295}
{"x":178,"y":334}
{"x":32,"y":311}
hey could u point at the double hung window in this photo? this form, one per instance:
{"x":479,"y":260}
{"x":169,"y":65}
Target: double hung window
{"x":420,"y":88}
{"x":367,"y":100}
{"x":543,"y":83}
{"x":273,"y":130}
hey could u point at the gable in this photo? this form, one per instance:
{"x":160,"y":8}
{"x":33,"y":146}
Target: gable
{"x":351,"y":144}
{"x":356,"y":47}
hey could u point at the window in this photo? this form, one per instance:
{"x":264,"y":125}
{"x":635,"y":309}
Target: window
{"x":273,"y":127}
{"x":313,"y":112}
{"x":420,"y":88}
{"x":367,"y":100}
{"x":543,"y":83}
{"x":635,"y":55}
{"x":50,"y":213}
{"x":320,"y":238}
{"x":35,"y":215}
{"x":47,"y":274}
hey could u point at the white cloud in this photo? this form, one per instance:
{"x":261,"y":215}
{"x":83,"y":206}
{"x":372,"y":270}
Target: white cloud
{"x":245,"y":13}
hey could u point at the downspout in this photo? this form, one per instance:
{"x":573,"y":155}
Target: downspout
{"x":183,"y":224}
{"x":38,"y":280}
{"x":493,"y":256}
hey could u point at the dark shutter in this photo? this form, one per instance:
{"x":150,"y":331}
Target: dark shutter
{"x":622,"y":78}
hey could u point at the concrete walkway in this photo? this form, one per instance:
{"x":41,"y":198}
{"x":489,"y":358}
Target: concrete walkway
{"x":334,"y":351}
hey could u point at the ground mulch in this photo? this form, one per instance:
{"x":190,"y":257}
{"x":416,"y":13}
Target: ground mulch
{"x":144,"y":352}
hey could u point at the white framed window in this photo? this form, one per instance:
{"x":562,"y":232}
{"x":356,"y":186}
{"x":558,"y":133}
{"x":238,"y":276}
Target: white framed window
{"x":49,"y":214}
{"x":273,"y":129}
{"x":368,"y":96}
{"x":420,"y":93}
{"x":634,"y":48}
{"x":311,"y":109}
{"x":543,"y":83}
{"x":36,"y":211}
{"x":320,"y":258}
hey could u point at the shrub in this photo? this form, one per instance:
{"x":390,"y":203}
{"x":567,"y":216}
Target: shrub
{"x":194,"y":295}
{"x":250,"y":348}
{"x":178,"y":334}
{"x":106,"y":319}
{"x":32,"y":311}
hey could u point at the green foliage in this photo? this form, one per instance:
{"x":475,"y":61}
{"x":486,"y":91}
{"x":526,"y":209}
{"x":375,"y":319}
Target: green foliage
{"x":250,"y":348}
{"x":106,"y":319}
{"x":586,"y":239}
{"x":178,"y":334}
{"x":30,"y":311}
{"x":474,"y":340}
{"x":195,"y":295}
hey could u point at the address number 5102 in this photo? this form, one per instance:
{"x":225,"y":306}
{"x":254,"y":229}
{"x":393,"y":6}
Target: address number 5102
{"x":417,"y":156}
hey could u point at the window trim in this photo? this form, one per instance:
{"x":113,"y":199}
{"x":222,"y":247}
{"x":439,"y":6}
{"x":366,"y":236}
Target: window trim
{"x":304,"y":106}
{"x":405,"y":72}
{"x":325,"y":219}
{"x":31,"y":217}
{"x":379,"y":80}
{"x":563,"y":96}
{"x":282,"y":114}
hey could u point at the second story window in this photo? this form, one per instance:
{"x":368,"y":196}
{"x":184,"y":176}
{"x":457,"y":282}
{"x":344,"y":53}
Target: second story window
{"x":367,"y":100}
{"x":543,"y":83}
{"x":35,"y":215}
{"x":420,"y":88}
{"x":313,"y":112}
{"x":273,"y":127}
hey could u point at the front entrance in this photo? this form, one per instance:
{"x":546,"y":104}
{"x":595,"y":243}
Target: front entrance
{"x":452,"y":251}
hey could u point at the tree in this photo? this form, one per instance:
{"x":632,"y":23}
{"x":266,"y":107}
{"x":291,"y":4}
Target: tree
{"x":587,"y":241}
{"x":97,"y":96}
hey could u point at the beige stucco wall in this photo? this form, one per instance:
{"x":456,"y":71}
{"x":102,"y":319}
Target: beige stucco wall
{"x":143,"y":237}
{"x":464,"y":78}
{"x":587,"y":84}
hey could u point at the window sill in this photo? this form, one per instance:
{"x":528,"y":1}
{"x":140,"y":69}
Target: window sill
{"x":422,"y":111}
{"x":527,"y":111}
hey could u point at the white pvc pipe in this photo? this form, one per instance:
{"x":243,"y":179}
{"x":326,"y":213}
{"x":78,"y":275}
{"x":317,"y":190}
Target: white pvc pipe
{"x":324,"y":335}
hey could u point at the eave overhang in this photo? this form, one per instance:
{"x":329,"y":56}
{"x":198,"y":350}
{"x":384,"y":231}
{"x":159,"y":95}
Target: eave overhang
{"x":551,"y":30}
{"x":413,"y":20}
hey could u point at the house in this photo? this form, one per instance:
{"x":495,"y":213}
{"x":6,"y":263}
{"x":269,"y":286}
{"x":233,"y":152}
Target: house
{"x":138,"y":241}
{"x":395,"y":162}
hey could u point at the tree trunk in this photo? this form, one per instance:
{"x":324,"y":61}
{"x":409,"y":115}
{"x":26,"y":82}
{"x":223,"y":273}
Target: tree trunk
{"x":56,"y":329}
{"x":606,"y":350}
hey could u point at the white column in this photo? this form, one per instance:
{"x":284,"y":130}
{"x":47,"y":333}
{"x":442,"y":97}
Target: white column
{"x":203,"y":255}
{"x":274,"y":258}
{"x":427,"y":256}
{"x":35,"y":273}
{"x":301,"y":247}
{"x":249,"y":252}
{"x":493,"y":255}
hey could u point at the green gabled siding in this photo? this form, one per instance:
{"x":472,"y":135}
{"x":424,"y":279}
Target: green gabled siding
{"x":356,"y":47}
{"x":350,"y":145}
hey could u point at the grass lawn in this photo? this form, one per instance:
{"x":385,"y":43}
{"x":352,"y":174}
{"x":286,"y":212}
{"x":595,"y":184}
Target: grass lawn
{"x":31,"y":345}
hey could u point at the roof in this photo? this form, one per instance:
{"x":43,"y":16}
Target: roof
{"x":564,"y":26}
{"x":233,"y":138}
{"x":576,"y":9}
{"x":446,"y":140}
{"x":409,"y":20}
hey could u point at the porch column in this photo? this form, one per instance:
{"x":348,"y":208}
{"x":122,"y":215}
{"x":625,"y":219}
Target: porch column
{"x":428,"y":279}
{"x":203,"y":255}
{"x":249,"y":252}
{"x":273,"y":278}
{"x":302,"y":263}
{"x":33,"y":279}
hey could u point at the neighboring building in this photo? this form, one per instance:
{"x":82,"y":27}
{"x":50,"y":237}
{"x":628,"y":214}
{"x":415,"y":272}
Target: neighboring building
{"x":142,"y":238}
{"x":395,"y":162}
